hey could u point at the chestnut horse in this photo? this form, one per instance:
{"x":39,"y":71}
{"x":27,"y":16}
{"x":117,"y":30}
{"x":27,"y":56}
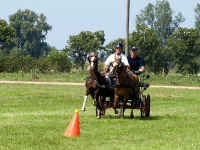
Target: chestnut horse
{"x":93,"y":85}
{"x":127,"y":87}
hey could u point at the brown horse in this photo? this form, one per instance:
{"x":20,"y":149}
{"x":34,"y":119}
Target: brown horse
{"x":127,"y":87}
{"x":93,"y":85}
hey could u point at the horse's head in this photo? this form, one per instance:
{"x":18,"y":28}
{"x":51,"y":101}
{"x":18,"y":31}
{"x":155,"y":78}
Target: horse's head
{"x":93,"y":60}
{"x":117,"y":64}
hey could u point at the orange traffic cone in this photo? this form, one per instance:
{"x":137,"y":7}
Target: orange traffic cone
{"x":73,"y":129}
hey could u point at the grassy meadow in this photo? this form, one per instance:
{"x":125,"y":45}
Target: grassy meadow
{"x":35,"y":117}
{"x":76,"y":76}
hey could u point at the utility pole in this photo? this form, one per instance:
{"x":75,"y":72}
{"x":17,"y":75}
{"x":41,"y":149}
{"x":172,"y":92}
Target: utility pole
{"x":127,"y":26}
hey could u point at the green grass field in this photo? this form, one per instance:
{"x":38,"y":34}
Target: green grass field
{"x":170,"y":79}
{"x":35,"y":117}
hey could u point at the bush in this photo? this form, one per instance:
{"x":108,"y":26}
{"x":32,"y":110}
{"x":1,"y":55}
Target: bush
{"x":60,"y":61}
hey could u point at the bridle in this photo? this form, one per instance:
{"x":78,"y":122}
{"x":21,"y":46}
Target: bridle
{"x":116,"y":68}
{"x":93,"y":62}
{"x":116,"y":65}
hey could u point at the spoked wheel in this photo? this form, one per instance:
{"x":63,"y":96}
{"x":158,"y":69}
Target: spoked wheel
{"x":147,"y":106}
{"x":142,"y":107}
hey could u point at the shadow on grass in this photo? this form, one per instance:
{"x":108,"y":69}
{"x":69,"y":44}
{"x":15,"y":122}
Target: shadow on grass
{"x":149,"y":118}
{"x":135,"y":118}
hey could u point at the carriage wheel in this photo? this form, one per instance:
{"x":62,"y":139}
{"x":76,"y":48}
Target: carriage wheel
{"x":142,"y":106}
{"x":147,"y":106}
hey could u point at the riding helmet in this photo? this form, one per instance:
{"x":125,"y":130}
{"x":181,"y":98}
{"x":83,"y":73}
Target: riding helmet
{"x":119,"y":45}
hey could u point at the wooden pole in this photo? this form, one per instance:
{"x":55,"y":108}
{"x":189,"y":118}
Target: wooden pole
{"x":127,"y":26}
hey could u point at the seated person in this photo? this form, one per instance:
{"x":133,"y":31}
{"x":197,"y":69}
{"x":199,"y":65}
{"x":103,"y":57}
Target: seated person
{"x":136,"y":63}
{"x":113,"y":57}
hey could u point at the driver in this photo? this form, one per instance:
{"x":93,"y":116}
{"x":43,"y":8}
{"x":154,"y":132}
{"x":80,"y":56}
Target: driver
{"x":136,"y":62}
{"x":118,"y":52}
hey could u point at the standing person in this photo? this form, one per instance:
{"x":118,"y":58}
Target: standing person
{"x":136,"y":63}
{"x":113,"y":57}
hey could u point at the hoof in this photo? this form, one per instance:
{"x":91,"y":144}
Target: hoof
{"x":116,"y":112}
{"x":83,"y":109}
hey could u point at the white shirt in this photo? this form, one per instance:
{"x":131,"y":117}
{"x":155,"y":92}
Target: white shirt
{"x":111,"y":58}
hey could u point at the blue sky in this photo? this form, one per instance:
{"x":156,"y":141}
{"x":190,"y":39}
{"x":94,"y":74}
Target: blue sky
{"x":70,"y":17}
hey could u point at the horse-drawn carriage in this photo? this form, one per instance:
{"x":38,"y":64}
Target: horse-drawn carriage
{"x":124,"y":92}
{"x":141,"y":102}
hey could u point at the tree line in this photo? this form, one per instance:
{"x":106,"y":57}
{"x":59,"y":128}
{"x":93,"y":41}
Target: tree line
{"x":162,"y":43}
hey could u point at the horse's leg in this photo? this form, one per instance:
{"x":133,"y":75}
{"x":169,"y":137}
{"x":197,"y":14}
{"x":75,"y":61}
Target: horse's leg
{"x":102,"y":105}
{"x":95,"y":97}
{"x":132,"y":105}
{"x":115,"y":104}
{"x":99,"y":107}
{"x":84,"y":102}
{"x":131,"y":114}
{"x":121,"y":112}
{"x":101,"y":100}
{"x":133,"y":101}
{"x":123,"y":107}
{"x":87,"y":92}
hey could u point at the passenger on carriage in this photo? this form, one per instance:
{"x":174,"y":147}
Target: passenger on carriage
{"x":136,"y":63}
{"x":113,"y":57}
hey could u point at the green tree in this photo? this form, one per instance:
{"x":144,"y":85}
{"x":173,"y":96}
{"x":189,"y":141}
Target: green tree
{"x":186,"y":46}
{"x":79,"y":46}
{"x":60,"y":61}
{"x":147,"y":16}
{"x":147,"y":42}
{"x":197,"y":16}
{"x":159,"y":17}
{"x":7,"y":33}
{"x":110,"y":47}
{"x":31,"y":30}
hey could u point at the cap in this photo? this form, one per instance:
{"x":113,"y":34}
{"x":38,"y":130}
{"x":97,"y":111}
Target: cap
{"x":134,"y":48}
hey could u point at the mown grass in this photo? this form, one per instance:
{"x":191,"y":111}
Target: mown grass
{"x":49,"y":77}
{"x":36,"y":117}
{"x":170,"y":79}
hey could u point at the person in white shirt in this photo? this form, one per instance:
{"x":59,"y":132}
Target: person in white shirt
{"x":113,"y":57}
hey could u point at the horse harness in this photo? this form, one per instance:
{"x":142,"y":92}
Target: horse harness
{"x":126,"y":83}
{"x":97,"y":82}
{"x":127,"y":80}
